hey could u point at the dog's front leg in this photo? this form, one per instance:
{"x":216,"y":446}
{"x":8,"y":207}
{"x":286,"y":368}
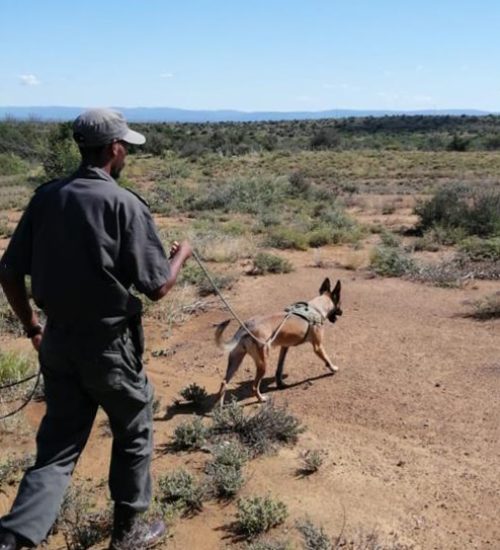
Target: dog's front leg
{"x":319,"y":350}
{"x":279,"y":370}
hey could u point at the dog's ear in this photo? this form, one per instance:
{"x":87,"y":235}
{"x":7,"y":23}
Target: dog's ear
{"x":326,"y":286}
{"x":336,"y":292}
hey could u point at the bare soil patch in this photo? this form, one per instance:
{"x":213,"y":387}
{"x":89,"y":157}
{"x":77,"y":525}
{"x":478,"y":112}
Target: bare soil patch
{"x":409,"y":423}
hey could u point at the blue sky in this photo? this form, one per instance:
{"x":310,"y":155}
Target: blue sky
{"x":254,"y":55}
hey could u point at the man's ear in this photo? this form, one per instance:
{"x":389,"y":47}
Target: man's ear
{"x":325,"y":287}
{"x":114,"y":149}
{"x":336,"y":292}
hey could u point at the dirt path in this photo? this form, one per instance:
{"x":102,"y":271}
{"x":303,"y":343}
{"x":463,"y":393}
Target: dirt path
{"x":409,"y":423}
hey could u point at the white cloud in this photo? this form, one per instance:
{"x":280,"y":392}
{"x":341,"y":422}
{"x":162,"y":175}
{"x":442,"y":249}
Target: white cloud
{"x":29,"y":80}
{"x":166,"y":75}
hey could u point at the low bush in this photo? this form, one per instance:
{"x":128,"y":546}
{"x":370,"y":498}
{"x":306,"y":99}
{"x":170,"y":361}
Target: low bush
{"x":14,"y":367}
{"x":311,"y":461}
{"x":6,"y":229}
{"x":487,"y":308}
{"x":82,"y":526}
{"x":189,"y":435}
{"x":260,"y":432}
{"x":193,"y":274}
{"x":471,"y":211}
{"x":286,"y":238}
{"x":390,"y":262}
{"x":226,"y":480}
{"x":11,"y":165}
{"x":259,"y":514}
{"x":13,"y":466}
{"x":194,"y":393}
{"x":225,"y":470}
{"x":387,"y":238}
{"x":314,"y":537}
{"x":179,"y":492}
{"x":481,"y":249}
{"x":9,"y":323}
{"x":264,"y":262}
{"x":268,"y":545}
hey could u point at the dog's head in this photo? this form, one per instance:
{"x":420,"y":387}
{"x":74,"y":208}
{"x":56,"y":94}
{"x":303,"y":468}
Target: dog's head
{"x":334,"y":296}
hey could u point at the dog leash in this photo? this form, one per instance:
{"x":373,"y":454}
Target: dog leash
{"x":273,"y":336}
{"x":30,"y":396}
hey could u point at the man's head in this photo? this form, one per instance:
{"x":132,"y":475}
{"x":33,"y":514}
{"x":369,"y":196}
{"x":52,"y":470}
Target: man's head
{"x":103,"y":136}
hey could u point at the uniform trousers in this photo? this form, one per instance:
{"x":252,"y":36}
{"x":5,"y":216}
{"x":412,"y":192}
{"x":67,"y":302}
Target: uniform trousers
{"x":77,"y":381}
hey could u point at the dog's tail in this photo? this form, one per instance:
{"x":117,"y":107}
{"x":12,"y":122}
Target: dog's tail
{"x":227,"y":346}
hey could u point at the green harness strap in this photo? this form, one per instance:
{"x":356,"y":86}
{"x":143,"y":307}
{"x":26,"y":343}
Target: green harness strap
{"x":307,"y":312}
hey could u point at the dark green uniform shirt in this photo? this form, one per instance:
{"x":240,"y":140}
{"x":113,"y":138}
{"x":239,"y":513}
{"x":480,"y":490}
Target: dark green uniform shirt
{"x":86,"y":241}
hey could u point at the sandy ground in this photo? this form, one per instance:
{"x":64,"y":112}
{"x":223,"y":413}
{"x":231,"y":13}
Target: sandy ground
{"x":409,"y":424}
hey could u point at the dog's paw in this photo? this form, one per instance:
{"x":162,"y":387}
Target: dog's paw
{"x":332,"y":368}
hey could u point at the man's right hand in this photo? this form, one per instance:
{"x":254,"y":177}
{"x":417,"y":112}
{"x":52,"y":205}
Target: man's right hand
{"x":183,"y":249}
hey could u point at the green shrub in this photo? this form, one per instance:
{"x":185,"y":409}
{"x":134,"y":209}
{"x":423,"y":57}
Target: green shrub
{"x":226,"y":480}
{"x":179,"y":492}
{"x":11,"y":165}
{"x":194,"y":393}
{"x":189,"y":435}
{"x":265,"y":262}
{"x":481,"y":249}
{"x":286,"y":237}
{"x":298,"y":184}
{"x":5,"y":228}
{"x":12,"y":466}
{"x":225,"y":469}
{"x":311,"y":462}
{"x":268,"y":545}
{"x":487,"y":308}
{"x":390,"y":262}
{"x":314,"y":538}
{"x":193,"y":274}
{"x":81,"y":525}
{"x":389,"y":239}
{"x":320,"y":237}
{"x":14,"y":366}
{"x":249,"y":196}
{"x":473,"y":211}
{"x":260,"y":432}
{"x":230,"y":453}
{"x":259,"y":514}
{"x":63,"y":156}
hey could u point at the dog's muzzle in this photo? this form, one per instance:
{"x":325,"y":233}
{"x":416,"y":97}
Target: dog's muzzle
{"x":332,"y":316}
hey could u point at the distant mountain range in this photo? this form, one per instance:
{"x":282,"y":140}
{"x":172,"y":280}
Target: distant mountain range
{"x":167,"y":114}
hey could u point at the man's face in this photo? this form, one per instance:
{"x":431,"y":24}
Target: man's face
{"x":119,"y":153}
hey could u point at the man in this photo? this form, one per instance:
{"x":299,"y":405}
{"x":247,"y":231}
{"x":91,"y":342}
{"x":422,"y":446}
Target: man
{"x":85,"y":242}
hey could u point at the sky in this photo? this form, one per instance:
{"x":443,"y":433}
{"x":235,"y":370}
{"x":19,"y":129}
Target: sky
{"x":253,"y":55}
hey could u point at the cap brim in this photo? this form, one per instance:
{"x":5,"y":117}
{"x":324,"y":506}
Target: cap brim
{"x":134,"y":138}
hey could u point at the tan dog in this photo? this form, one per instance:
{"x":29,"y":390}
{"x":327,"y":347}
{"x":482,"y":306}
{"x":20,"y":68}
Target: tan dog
{"x":304,"y":323}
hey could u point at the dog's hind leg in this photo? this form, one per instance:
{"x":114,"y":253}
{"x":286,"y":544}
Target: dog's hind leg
{"x":279,"y":368}
{"x":319,"y":350}
{"x":261,"y":363}
{"x":234,"y":361}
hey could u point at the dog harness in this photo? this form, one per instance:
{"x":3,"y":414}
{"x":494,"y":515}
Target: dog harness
{"x":306,"y":312}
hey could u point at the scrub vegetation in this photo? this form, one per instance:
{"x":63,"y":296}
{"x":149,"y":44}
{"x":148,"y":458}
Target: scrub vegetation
{"x":406,"y":196}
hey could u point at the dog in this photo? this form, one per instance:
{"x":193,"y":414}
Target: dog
{"x":302,"y":322}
